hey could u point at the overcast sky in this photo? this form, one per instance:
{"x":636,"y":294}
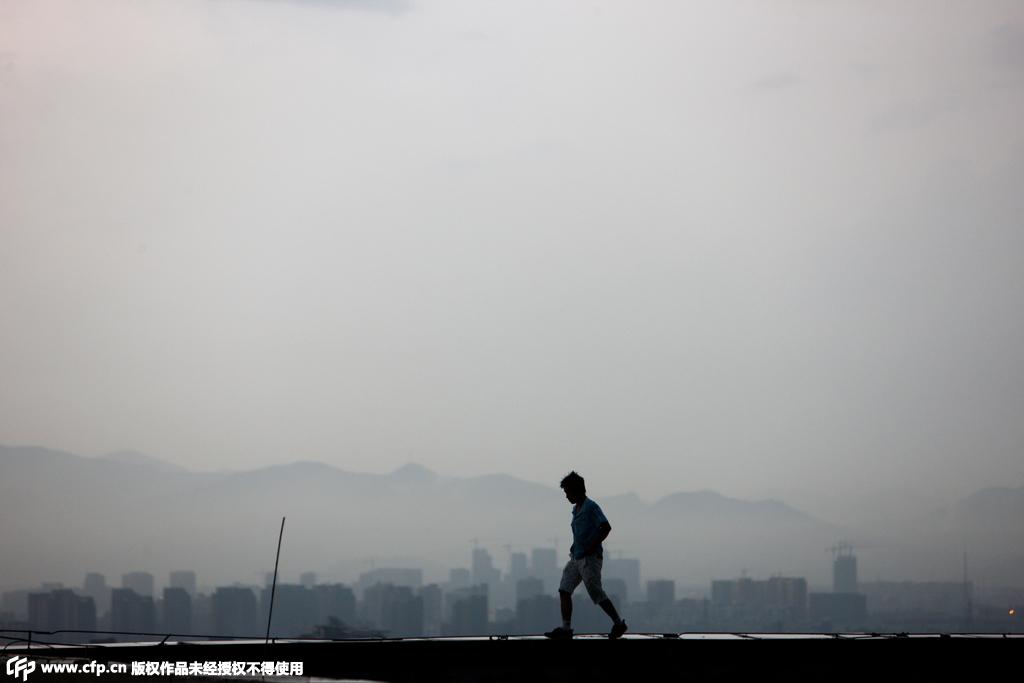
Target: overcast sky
{"x":770,"y":248}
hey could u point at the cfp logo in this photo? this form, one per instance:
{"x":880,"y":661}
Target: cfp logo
{"x":20,"y":666}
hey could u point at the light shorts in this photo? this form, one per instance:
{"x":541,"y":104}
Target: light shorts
{"x":587,"y":570}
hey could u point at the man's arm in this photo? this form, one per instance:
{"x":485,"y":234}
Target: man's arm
{"x":603,"y":529}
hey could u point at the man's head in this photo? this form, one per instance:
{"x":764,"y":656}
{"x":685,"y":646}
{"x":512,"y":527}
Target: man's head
{"x":575,"y":489}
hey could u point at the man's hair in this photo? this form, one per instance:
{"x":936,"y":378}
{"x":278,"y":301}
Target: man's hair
{"x":573,"y":481}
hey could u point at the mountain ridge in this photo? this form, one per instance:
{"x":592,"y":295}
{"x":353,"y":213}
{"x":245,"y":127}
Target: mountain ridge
{"x":61,"y":509}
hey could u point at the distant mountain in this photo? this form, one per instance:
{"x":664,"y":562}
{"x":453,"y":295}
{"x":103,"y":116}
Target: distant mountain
{"x":414,"y":473}
{"x":37,"y":454}
{"x":143,"y":460}
{"x":990,"y":508}
{"x":66,"y":515}
{"x":710,"y":503}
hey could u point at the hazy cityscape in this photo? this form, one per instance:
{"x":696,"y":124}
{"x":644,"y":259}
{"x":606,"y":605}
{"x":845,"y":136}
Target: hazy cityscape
{"x":700,"y":561}
{"x":485,"y":600}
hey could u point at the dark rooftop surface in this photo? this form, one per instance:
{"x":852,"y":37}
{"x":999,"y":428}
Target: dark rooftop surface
{"x":752,"y":657}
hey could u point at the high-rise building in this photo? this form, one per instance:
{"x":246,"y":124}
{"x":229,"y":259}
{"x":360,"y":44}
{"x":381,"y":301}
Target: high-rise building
{"x":202,"y":613}
{"x":140,"y":582}
{"x":661,"y":592}
{"x":627,"y":569}
{"x":750,"y":592}
{"x":778,"y":602}
{"x":131,"y":613}
{"x":786,"y":598}
{"x":483,"y":569}
{"x":723,"y":593}
{"x":335,"y":600}
{"x":518,"y":567}
{"x":411,"y":578}
{"x":61,"y":610}
{"x":844,"y":573}
{"x":308,"y":579}
{"x":184,"y":578}
{"x":537,"y":613}
{"x":235,"y":612}
{"x":459,"y":578}
{"x":395,"y":609}
{"x":544,"y":565}
{"x":841,"y":611}
{"x":177,"y":611}
{"x":39,"y":611}
{"x":485,"y":574}
{"x":897,"y":598}
{"x":586,"y":616}
{"x":15,"y":602}
{"x":528,"y":588}
{"x":95,"y":586}
{"x":433,"y":601}
{"x":469,"y":611}
{"x":616,"y":590}
{"x":295,"y":611}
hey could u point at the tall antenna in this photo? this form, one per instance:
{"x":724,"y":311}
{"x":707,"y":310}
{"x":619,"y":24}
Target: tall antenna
{"x":967,"y":595}
{"x":273,"y":586}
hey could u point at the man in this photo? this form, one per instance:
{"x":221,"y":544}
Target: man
{"x":589,"y":528}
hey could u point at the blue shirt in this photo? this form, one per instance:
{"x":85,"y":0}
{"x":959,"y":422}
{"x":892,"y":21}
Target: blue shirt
{"x":586,"y":518}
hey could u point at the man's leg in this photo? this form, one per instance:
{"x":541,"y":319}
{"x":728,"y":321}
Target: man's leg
{"x":591,"y":572}
{"x":608,"y":608}
{"x":566,"y":601}
{"x":570,"y":579}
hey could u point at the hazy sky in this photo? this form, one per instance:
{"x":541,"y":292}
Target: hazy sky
{"x":772,"y":248}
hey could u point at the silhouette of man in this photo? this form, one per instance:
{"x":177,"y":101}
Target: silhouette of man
{"x":589,"y":528}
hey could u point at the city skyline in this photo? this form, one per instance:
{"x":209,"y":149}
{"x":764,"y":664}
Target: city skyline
{"x":398,"y":602}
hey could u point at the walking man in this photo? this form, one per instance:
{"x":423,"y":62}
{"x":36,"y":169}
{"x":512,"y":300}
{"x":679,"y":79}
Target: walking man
{"x":589,"y":528}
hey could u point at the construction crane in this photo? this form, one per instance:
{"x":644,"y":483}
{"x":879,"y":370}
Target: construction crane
{"x":842,"y":548}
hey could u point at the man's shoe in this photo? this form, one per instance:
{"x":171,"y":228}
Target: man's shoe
{"x":560,"y":633}
{"x":617,"y":630}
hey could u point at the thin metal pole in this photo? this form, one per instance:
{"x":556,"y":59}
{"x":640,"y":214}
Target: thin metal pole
{"x":273,"y":586}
